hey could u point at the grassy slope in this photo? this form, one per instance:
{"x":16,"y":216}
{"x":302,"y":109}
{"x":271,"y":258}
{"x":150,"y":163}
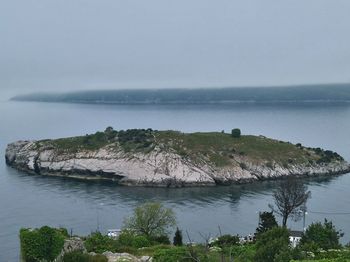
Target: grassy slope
{"x":221,"y":148}
{"x":218,"y":148}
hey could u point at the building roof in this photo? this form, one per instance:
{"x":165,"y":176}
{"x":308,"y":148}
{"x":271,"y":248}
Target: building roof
{"x":295,"y":233}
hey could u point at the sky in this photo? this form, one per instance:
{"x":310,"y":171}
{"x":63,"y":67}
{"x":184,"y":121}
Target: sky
{"x":60,"y":45}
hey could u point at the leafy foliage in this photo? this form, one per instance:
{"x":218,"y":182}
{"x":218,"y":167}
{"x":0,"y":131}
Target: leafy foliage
{"x":266,"y":221}
{"x":127,"y":241}
{"x":41,"y":244}
{"x":326,"y":156}
{"x":273,"y":245}
{"x":151,"y":219}
{"x":334,"y":255}
{"x":243,"y":253}
{"x":177,"y":238}
{"x":170,"y":255}
{"x":236,"y":133}
{"x":126,"y":238}
{"x":99,"y":243}
{"x":161,"y":239}
{"x":140,"y":241}
{"x":324,"y":236}
{"x":136,"y":139}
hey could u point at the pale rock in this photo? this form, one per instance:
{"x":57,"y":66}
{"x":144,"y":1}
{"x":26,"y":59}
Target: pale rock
{"x":156,"y":168}
{"x":120,"y":257}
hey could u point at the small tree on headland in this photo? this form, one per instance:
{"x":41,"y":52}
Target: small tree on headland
{"x":109,"y":129}
{"x":290,"y":199}
{"x":178,"y":238}
{"x":267,"y":221}
{"x":151,"y":219}
{"x":236,"y":133}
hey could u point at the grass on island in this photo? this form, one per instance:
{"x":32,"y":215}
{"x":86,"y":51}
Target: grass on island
{"x":218,"y":148}
{"x":222,"y":148}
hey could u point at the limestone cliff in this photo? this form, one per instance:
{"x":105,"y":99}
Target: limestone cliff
{"x":171,"y":159}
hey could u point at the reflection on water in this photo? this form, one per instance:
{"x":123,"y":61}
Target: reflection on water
{"x":111,"y":193}
{"x":32,"y":201}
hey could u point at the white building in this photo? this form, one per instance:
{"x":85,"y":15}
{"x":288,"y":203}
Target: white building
{"x":295,"y":237}
{"x":113,"y":233}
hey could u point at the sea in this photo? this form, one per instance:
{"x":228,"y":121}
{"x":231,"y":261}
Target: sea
{"x":84,"y":207}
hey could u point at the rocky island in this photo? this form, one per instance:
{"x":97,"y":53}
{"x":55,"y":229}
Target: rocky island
{"x":146,"y":157}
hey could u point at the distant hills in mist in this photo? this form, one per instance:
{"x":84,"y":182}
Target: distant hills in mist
{"x":338,"y":93}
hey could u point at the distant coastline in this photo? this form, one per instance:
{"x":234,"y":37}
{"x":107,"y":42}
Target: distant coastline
{"x":303,"y":94}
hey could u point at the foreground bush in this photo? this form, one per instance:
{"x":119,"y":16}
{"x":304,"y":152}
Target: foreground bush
{"x":321,"y":236}
{"x":242,"y":253}
{"x":99,"y":243}
{"x":126,"y":238}
{"x":130,"y":239}
{"x":127,"y":242}
{"x":174,"y":254}
{"x":273,"y":245}
{"x":140,"y":241}
{"x":163,"y":239}
{"x":45,"y":243}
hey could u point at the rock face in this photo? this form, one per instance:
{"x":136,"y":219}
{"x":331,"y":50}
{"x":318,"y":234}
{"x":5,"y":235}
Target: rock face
{"x":70,"y":245}
{"x":159,"y":167}
{"x":125,"y":257}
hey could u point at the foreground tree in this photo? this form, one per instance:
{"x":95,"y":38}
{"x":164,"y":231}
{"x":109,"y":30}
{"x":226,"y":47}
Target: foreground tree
{"x":177,"y":241}
{"x":290,"y":199}
{"x":319,"y":235}
{"x":43,"y":244}
{"x":267,"y":221}
{"x":273,"y":245}
{"x":151,"y":219}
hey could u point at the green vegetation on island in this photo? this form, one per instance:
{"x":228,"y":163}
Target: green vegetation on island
{"x":168,"y":158}
{"x":218,"y":148}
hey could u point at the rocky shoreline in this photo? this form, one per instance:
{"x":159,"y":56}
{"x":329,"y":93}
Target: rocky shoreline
{"x":157,"y":168}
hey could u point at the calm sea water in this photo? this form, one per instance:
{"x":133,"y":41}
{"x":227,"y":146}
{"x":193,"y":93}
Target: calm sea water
{"x":33,"y":201}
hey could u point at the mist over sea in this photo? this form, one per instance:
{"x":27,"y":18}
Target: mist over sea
{"x":33,"y":201}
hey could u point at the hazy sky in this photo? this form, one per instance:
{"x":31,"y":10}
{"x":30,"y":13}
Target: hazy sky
{"x":85,"y":44}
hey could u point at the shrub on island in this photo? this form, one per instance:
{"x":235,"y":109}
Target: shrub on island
{"x":236,"y":133}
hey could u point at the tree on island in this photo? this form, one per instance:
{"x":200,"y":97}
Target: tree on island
{"x":236,"y":133}
{"x":151,"y":219}
{"x":290,"y":199}
{"x":266,"y":221}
